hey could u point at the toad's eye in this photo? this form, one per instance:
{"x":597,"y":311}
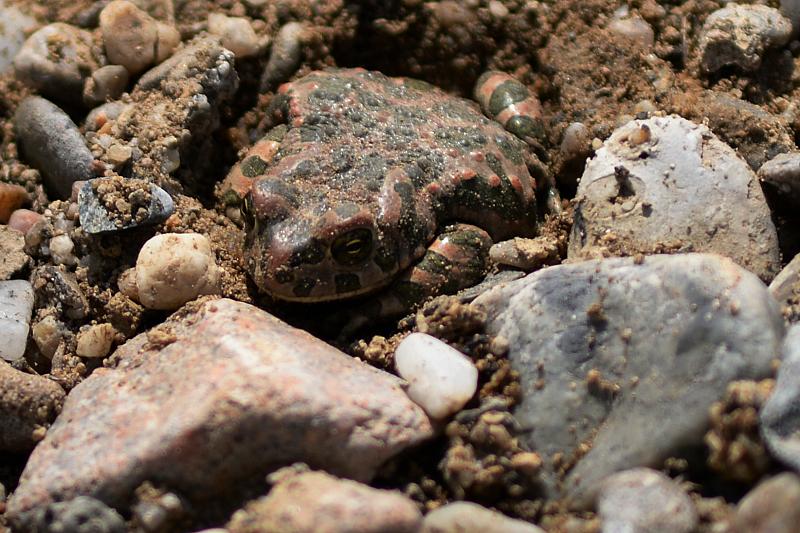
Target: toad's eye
{"x":352,"y":247}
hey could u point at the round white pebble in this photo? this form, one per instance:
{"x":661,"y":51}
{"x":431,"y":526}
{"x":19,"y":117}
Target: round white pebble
{"x":173,"y":269}
{"x":441,"y":379}
{"x":96,"y":341}
{"x":16,"y":305}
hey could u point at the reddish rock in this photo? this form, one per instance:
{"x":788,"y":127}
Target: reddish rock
{"x":11,"y":198}
{"x":28,"y":403}
{"x":219,"y":394}
{"x":23,"y":219}
{"x":314,"y":502}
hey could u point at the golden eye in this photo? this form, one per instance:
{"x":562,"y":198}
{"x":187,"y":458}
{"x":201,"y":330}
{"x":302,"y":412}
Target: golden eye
{"x":352,"y":247}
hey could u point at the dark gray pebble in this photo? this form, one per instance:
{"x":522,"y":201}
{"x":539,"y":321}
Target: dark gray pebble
{"x":95,"y":218}
{"x":50,"y":142}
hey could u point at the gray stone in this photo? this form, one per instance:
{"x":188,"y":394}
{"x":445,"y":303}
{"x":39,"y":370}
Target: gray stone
{"x":643,"y":500}
{"x":308,"y":502}
{"x":667,"y":183}
{"x":95,"y":218}
{"x":56,"y":60}
{"x":740,"y":34}
{"x":780,"y":417}
{"x":106,"y":83}
{"x":772,"y":507}
{"x":783,"y":173}
{"x":217,"y":396}
{"x":79,"y":515}
{"x":28,"y":404}
{"x":51,"y":143}
{"x":629,"y":357}
{"x":466,"y":517}
{"x":285,"y":56}
{"x":12,"y":33}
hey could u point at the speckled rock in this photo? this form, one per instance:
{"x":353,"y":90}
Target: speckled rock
{"x":16,"y":305}
{"x":642,"y":501}
{"x":224,"y":381}
{"x":771,"y":507}
{"x":739,"y":35}
{"x":13,"y":257}
{"x":467,"y":517}
{"x":667,"y":183}
{"x":78,"y":515}
{"x":51,"y":142}
{"x":312,"y":502}
{"x":107,"y":205}
{"x":12,"y":35}
{"x":632,"y":354}
{"x":780,"y":424}
{"x":28,"y":404}
{"x":174,"y":268}
{"x":56,"y":61}
{"x":11,"y":198}
{"x":783,"y":174}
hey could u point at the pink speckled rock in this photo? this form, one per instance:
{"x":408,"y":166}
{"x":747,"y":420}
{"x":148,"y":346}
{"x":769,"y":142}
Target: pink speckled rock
{"x":218,"y":395}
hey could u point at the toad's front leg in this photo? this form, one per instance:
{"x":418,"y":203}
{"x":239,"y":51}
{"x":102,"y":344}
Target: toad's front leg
{"x":457,"y":259}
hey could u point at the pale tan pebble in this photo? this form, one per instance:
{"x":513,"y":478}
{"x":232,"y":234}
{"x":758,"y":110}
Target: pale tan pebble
{"x":105,"y":83}
{"x":47,"y":334}
{"x":23,"y":219}
{"x":96,"y":341}
{"x":129,"y":34}
{"x":127,"y":284}
{"x":11,"y":198}
{"x":168,"y":40}
{"x":61,"y":247}
{"x":236,"y":34}
{"x":173,"y":269}
{"x":118,"y":154}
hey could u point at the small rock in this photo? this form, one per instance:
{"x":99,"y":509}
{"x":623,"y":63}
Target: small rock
{"x":78,"y":515}
{"x":47,"y":334}
{"x":740,"y":34}
{"x":23,"y":219}
{"x":285,"y":56}
{"x":16,"y":305}
{"x":28,"y":404}
{"x":783,"y":173}
{"x":236,"y":33}
{"x":99,"y":116}
{"x":643,"y":500}
{"x":12,"y":252}
{"x":173,"y":269}
{"x":12,"y":35}
{"x":51,"y":143}
{"x":772,"y":507}
{"x":787,"y":282}
{"x":309,"y":502}
{"x":466,"y":517}
{"x":221,"y":395}
{"x":96,"y":341}
{"x":56,"y":60}
{"x":780,"y":425}
{"x":133,"y":38}
{"x":634,"y":29}
{"x":667,"y":184}
{"x":624,"y":357}
{"x":11,"y":198}
{"x":441,"y":379}
{"x":118,"y":154}
{"x":526,"y":254}
{"x":56,"y":287}
{"x":106,"y":83}
{"x":61,"y":247}
{"x":108,"y":205}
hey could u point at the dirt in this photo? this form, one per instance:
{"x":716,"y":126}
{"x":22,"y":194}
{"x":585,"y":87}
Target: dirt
{"x":580,"y":70}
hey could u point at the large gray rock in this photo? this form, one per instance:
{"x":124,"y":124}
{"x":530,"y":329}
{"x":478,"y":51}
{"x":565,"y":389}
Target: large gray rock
{"x":667,"y":183}
{"x":628,"y":357}
{"x":211,"y":399}
{"x":51,"y":143}
{"x":780,"y":417}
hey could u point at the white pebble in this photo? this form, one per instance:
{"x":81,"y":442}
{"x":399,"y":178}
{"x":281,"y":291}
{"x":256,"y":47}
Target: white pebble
{"x":441,"y":379}
{"x":173,"y":269}
{"x":236,"y":34}
{"x":16,"y":305}
{"x":96,"y":341}
{"x":61,"y":247}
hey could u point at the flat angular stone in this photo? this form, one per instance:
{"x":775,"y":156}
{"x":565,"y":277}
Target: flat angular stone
{"x":219,"y":395}
{"x":667,"y":183}
{"x":629,"y":357}
{"x":310,"y":502}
